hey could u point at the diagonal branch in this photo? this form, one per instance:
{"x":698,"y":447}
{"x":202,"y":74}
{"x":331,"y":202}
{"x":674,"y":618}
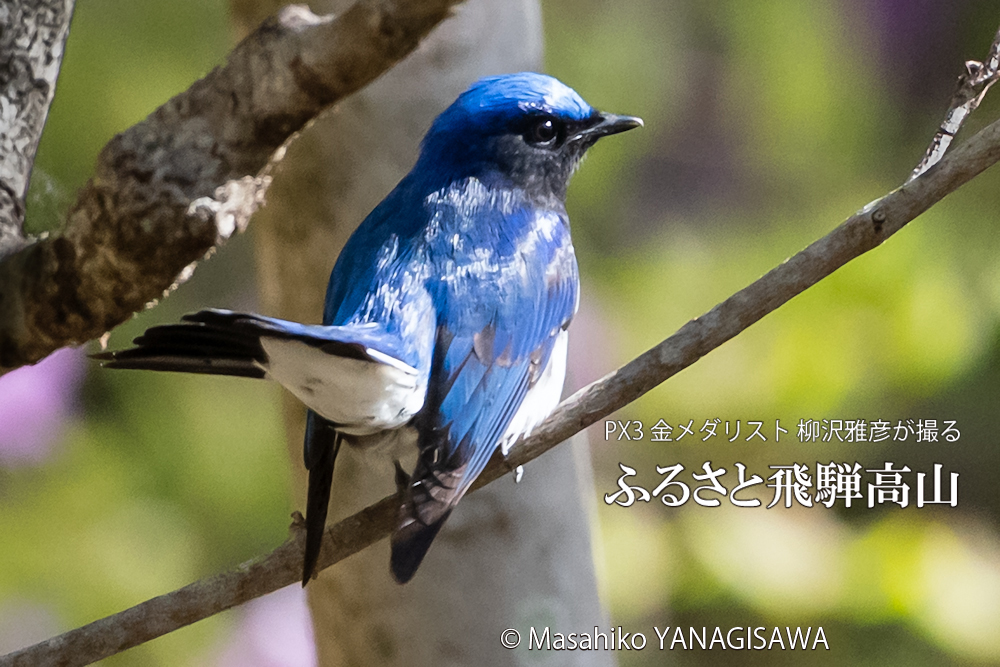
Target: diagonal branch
{"x":857,"y":235}
{"x":169,"y":189}
{"x":32,"y":37}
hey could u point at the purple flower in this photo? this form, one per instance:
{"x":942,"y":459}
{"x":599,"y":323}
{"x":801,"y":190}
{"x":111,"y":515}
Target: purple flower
{"x":23,"y":623}
{"x":275,"y":631}
{"x":34,"y":404}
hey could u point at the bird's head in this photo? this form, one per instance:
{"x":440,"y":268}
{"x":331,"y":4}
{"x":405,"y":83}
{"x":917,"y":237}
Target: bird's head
{"x":523,"y":130}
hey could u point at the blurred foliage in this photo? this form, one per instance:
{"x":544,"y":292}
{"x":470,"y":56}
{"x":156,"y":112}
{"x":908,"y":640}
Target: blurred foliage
{"x":766,"y":125}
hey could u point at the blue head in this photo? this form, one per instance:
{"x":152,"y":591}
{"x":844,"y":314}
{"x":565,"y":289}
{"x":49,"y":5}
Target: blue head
{"x":523,"y":130}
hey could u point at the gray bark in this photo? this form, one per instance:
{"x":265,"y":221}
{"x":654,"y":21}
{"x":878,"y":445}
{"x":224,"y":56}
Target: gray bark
{"x":32,"y":36}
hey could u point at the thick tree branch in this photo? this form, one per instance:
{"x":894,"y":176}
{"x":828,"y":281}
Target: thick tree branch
{"x":32,"y":36}
{"x":858,"y":234}
{"x":166,"y":191}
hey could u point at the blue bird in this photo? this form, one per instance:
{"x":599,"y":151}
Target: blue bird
{"x":445,"y":315}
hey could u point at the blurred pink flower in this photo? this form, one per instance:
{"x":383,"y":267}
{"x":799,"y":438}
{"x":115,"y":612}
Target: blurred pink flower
{"x":23,"y":623}
{"x":34,"y":403}
{"x":275,"y":631}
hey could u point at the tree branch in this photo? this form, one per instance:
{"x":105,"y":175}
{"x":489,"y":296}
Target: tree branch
{"x":973,"y":84}
{"x":32,"y":37}
{"x":857,"y":235}
{"x":167,"y":190}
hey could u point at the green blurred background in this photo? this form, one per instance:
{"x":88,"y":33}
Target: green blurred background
{"x":766,"y":125}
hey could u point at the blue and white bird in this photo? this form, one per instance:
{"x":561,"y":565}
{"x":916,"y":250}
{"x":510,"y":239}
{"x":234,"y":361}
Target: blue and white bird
{"x":446,"y":312}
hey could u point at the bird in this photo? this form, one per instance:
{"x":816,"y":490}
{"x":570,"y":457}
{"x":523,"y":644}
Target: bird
{"x":446,"y":312}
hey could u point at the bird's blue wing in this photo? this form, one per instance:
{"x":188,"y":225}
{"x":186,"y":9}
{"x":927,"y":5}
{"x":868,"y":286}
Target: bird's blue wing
{"x":500,"y":318}
{"x":486,"y":375}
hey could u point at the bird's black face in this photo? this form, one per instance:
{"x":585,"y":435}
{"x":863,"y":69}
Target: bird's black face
{"x":540,"y":151}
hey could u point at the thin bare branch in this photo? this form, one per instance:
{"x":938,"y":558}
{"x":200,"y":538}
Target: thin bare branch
{"x":32,"y":36}
{"x":973,"y":85}
{"x":167,"y":190}
{"x":858,"y":234}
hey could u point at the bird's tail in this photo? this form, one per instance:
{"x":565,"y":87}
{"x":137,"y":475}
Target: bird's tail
{"x":322,"y":444}
{"x":214,"y":342}
{"x":427,"y":503}
{"x":410,"y":543}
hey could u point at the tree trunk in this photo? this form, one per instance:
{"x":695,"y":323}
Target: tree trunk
{"x":511,"y":556}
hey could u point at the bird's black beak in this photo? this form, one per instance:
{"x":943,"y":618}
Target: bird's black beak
{"x":608,"y":124}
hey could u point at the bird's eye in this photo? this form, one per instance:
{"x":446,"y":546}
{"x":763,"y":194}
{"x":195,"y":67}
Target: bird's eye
{"x":543,"y":132}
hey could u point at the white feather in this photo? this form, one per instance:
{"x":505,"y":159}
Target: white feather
{"x":361,"y":397}
{"x":542,"y":398}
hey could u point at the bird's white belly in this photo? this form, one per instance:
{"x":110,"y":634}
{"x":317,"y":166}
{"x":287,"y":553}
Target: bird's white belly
{"x":542,"y":398}
{"x":361,"y":397}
